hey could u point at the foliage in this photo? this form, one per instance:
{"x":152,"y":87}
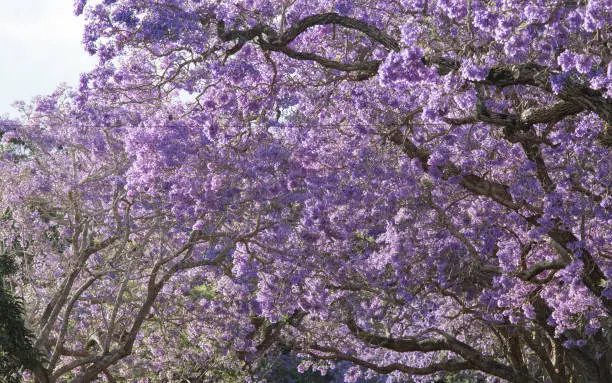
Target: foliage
{"x":16,"y":340}
{"x":419,"y":190}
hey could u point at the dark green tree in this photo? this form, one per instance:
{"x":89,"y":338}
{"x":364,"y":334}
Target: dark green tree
{"x":17,"y":352}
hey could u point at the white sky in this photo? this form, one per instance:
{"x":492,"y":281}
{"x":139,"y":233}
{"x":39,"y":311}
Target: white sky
{"x":40,"y":47}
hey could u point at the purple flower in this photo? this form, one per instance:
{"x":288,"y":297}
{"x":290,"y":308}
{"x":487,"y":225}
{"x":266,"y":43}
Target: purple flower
{"x":567,"y":60}
{"x":78,"y":7}
{"x":536,"y":14}
{"x":474,"y":72}
{"x":485,"y":20}
{"x":529,"y":311}
{"x":125,"y":16}
{"x":343,"y":7}
{"x":198,"y":225}
{"x":584,"y":63}
{"x":557,"y":82}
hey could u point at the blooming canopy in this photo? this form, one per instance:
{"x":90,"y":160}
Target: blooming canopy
{"x":403,"y":189}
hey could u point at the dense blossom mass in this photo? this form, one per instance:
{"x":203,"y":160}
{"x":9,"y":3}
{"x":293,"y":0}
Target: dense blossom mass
{"x":386,"y":189}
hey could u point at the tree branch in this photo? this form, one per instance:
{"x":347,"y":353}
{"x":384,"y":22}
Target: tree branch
{"x":333,"y":18}
{"x":270,"y":40}
{"x":574,"y":92}
{"x":475,"y":358}
{"x":449,"y":365}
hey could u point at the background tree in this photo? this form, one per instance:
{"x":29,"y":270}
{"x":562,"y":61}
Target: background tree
{"x":17,"y":350}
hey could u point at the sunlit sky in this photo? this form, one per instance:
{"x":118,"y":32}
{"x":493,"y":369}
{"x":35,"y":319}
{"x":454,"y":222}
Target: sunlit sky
{"x":40,"y":47}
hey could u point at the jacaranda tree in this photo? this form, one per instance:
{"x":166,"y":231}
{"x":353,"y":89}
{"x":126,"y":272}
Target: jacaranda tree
{"x":393,"y":189}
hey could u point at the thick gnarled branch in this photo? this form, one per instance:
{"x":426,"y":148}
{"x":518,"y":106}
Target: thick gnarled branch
{"x":333,"y":18}
{"x":447,"y":342}
{"x":573,"y":91}
{"x":270,"y":40}
{"x":332,"y":353}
